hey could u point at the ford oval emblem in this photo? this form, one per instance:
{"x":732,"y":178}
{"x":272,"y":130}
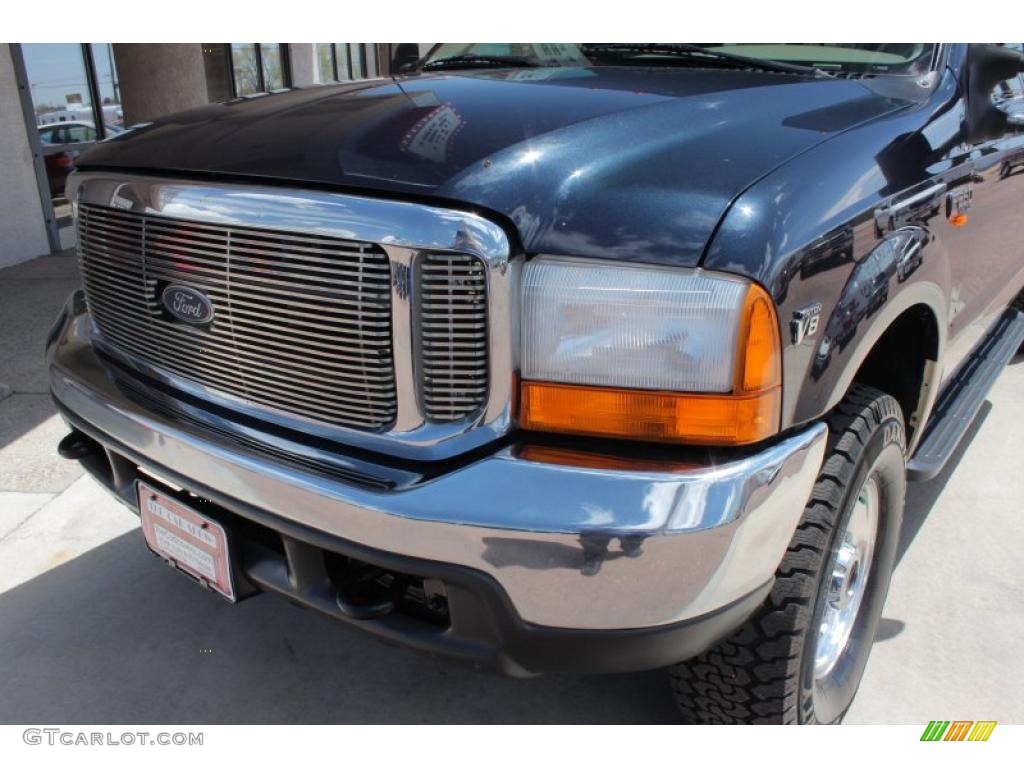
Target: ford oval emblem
{"x":188,"y":304}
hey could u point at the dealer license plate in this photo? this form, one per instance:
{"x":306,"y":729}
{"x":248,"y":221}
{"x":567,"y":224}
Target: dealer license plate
{"x":190,"y":541}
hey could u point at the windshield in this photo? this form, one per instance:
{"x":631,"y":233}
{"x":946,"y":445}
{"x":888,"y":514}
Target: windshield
{"x":849,"y":59}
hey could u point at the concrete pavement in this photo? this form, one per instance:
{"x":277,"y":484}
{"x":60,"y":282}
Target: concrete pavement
{"x":93,"y":629}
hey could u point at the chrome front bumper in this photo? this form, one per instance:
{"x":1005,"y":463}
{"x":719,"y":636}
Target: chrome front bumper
{"x":572,"y":548}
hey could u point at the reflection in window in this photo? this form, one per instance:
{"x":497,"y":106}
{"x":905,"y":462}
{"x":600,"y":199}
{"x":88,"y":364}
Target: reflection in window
{"x":57,"y":79}
{"x":78,"y":133}
{"x":343,"y":54}
{"x":357,"y":52}
{"x":273,"y":66}
{"x":108,"y":86}
{"x":243,"y":69}
{"x":62,"y":102}
{"x":325,"y":63}
{"x":246,"y":68}
{"x":344,"y":61}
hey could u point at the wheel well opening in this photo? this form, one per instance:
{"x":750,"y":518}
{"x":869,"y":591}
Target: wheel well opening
{"x":898,"y":361}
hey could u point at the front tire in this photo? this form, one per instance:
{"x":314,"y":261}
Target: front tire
{"x":801,"y":656}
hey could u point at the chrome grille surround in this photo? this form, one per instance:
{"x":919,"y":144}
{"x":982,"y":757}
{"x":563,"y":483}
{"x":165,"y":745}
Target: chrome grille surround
{"x":379,"y":246}
{"x":302,"y":324}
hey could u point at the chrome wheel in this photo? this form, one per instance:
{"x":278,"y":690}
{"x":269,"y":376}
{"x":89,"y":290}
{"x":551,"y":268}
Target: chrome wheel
{"x":847,"y":579}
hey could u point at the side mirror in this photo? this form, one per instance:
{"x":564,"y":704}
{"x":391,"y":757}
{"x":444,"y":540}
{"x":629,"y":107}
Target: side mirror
{"x":405,"y":55}
{"x":987,"y":67}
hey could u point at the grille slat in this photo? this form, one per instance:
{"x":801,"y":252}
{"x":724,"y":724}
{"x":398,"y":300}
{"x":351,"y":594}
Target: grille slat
{"x":453,"y":335}
{"x":181,"y":362}
{"x":302,"y":324}
{"x":184,"y":343}
{"x":297,"y":267}
{"x":159,"y":258}
{"x":263,"y":309}
{"x":313,"y":350}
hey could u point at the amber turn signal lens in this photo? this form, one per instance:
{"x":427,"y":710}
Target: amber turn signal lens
{"x":649,"y":416}
{"x":751,"y":412}
{"x":759,"y":366}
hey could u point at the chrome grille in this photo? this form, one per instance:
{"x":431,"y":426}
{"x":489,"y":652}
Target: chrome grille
{"x":453,"y":335}
{"x":302,"y":323}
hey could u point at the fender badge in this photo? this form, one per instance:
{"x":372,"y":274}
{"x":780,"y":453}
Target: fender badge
{"x":805,"y":322}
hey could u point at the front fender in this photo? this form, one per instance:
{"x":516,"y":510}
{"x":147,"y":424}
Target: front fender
{"x":811,"y":233}
{"x":848,"y":340}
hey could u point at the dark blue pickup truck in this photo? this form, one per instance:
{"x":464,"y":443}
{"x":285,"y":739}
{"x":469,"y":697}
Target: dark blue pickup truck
{"x":574,"y":357}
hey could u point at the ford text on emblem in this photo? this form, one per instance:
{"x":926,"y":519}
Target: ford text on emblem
{"x":805,"y":322}
{"x":188,"y":304}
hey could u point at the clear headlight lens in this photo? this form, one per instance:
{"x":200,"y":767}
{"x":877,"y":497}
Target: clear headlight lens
{"x":629,"y":326}
{"x":645,"y":352}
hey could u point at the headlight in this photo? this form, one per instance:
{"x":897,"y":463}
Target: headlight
{"x":649,"y":353}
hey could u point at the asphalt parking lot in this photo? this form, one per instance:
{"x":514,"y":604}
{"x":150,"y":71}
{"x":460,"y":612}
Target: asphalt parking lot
{"x":93,"y":629}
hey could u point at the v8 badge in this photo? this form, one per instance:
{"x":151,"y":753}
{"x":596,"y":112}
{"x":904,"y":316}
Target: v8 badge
{"x":805,"y":322}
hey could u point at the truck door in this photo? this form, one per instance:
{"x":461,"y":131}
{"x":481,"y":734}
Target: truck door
{"x":983,"y":231}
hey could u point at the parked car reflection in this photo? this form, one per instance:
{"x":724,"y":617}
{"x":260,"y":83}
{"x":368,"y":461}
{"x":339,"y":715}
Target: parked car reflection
{"x":73,"y":134}
{"x":1012,"y":164}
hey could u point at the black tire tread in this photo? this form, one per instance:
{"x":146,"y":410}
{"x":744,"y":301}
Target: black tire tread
{"x":753,"y":676}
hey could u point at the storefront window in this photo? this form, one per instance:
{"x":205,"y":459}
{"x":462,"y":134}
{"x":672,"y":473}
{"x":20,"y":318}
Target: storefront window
{"x":273,"y":66}
{"x":243,"y":69}
{"x":325,"y":63}
{"x":344,"y":61}
{"x":246,"y":68}
{"x":58,"y":82}
{"x":108,"y":86}
{"x":344,"y":58}
{"x":63,"y":100}
{"x":357,"y":55}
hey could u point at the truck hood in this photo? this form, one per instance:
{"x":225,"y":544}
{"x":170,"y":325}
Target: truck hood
{"x":607,"y":162}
